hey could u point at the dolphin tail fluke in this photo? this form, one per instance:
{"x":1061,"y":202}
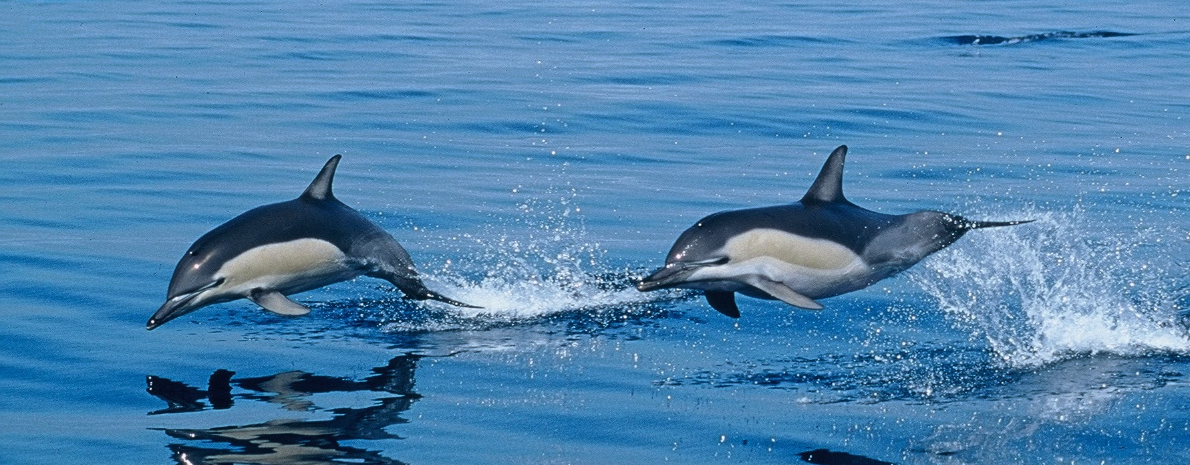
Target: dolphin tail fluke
{"x":724,"y":302}
{"x":414,"y":288}
{"x":431,"y":295}
{"x":994,"y":224}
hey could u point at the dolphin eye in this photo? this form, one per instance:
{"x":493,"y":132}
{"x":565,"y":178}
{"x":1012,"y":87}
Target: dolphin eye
{"x":721,"y":261}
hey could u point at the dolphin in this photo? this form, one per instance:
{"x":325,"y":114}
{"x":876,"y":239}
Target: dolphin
{"x":285,"y":248}
{"x":821,"y":246}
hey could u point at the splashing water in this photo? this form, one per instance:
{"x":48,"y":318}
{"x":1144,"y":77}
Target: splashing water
{"x":536,"y":266}
{"x":1040,"y":293}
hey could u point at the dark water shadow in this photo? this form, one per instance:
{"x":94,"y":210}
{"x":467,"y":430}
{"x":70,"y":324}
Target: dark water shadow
{"x":946,"y":375}
{"x":285,"y":440}
{"x":980,"y":39}
{"x":830,"y":457}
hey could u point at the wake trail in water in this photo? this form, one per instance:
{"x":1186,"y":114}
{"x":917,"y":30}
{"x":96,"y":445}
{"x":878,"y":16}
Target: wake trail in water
{"x":1043,"y":293}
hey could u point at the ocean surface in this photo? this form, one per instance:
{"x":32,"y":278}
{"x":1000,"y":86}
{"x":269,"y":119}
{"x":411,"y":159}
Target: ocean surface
{"x":537,"y":158}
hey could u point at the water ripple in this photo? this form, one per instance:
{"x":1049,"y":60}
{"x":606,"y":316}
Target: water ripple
{"x":771,"y":40}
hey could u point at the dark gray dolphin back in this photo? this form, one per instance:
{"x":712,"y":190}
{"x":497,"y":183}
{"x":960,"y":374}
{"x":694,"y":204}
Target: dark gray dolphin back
{"x":816,"y":220}
{"x":823,"y":213}
{"x":316,"y":214}
{"x":272,"y":251}
{"x":352,"y":233}
{"x":360,"y":239}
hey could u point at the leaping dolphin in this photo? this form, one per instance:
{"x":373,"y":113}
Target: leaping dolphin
{"x":285,"y":248}
{"x":822,"y":246}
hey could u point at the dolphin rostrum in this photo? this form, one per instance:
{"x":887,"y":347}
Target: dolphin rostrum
{"x":822,"y":246}
{"x":285,"y":248}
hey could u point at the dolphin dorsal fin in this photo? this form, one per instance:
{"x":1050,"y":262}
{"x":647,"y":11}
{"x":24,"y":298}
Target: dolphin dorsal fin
{"x":320,"y":188}
{"x":828,"y":186}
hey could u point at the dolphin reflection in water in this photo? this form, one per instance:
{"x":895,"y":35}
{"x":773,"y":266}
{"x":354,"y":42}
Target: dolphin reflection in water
{"x":286,"y":440}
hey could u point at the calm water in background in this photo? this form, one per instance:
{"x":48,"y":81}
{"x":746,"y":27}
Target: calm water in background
{"x":534,"y":159}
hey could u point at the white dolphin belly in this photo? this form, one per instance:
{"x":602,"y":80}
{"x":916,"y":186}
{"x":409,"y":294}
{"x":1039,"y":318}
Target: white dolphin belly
{"x":812,"y":267}
{"x":811,"y":282}
{"x":287,"y":267}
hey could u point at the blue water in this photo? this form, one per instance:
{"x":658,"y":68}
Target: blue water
{"x":534,"y":159}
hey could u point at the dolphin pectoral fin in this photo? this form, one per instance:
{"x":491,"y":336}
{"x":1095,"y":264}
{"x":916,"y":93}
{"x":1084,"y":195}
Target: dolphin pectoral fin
{"x":276,"y":302}
{"x":724,"y":302}
{"x":785,"y":294}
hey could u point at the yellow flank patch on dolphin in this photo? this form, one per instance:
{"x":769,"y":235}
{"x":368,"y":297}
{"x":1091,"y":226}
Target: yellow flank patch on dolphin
{"x":819,"y":254}
{"x":297,"y":258}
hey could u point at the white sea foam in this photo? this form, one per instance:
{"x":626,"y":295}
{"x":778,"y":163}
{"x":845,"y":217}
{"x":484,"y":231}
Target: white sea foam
{"x":504,"y":297}
{"x":1041,"y":292}
{"x":538,"y":264}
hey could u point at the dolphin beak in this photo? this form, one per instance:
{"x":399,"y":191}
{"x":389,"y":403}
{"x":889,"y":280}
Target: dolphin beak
{"x":674,"y":273}
{"x":663,"y":277}
{"x":174,"y":307}
{"x":181,"y":304}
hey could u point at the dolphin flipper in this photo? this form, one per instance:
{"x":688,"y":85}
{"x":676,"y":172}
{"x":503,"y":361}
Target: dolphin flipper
{"x":783,"y":293}
{"x":724,"y":302}
{"x":276,"y":302}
